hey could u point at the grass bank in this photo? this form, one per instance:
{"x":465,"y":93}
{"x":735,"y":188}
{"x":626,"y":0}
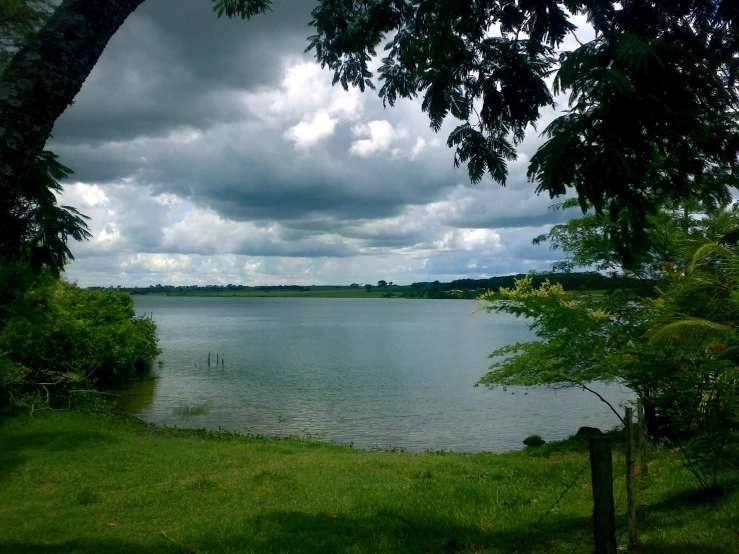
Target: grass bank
{"x":72,"y":482}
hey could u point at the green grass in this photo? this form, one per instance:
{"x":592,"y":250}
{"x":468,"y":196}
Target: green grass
{"x":71,"y":482}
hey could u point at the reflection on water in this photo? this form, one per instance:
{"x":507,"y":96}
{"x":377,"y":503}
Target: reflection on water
{"x":138,"y":396}
{"x":373,"y":372}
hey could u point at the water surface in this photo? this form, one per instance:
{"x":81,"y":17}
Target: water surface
{"x":372,"y":372}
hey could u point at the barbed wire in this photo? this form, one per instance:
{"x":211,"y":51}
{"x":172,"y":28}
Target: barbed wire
{"x":618,"y":473}
{"x":554,"y":505}
{"x":619,"y":505}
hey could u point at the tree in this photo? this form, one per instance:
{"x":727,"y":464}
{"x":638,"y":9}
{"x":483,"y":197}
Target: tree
{"x":676,"y":348}
{"x":579,"y":339}
{"x":696,"y":329}
{"x":32,"y":227}
{"x":586,"y":243}
{"x":381,"y":284}
{"x":653,"y":98}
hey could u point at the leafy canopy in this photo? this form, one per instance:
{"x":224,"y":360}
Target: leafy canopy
{"x":677,"y":348}
{"x":653,"y":98}
{"x":56,"y":338}
{"x":20,"y":20}
{"x":586,"y":243}
{"x":34,"y":228}
{"x":695,"y":329}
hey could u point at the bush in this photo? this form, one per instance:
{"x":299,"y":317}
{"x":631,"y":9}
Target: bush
{"x":534,"y":440}
{"x":56,"y":337}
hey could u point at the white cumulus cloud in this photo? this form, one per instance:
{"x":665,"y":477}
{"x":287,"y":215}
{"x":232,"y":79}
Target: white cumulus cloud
{"x":381,"y":135}
{"x":308,"y":133}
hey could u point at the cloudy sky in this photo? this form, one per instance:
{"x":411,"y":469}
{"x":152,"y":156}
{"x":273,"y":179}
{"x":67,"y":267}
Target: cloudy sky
{"x":215,"y":151}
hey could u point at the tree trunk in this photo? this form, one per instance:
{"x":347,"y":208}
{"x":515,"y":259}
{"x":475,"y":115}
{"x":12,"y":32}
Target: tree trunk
{"x":653,"y":425}
{"x":45,"y":76}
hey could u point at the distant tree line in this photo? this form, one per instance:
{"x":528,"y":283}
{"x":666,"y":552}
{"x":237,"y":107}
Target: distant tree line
{"x":189,"y":289}
{"x":459,"y":288}
{"x":471,"y":288}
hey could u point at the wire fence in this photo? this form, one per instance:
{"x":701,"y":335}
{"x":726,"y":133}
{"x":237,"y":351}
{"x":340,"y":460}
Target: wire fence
{"x":584,"y":540}
{"x":551,"y":508}
{"x":630,"y":482}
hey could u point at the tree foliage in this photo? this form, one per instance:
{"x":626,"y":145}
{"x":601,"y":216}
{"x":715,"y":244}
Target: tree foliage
{"x":580,"y":339}
{"x":56,"y":338}
{"x":676,"y":348}
{"x":695,"y":330}
{"x":653,"y":98}
{"x":34,"y":228}
{"x":20,"y":20}
{"x":586,"y":243}
{"x":245,"y":9}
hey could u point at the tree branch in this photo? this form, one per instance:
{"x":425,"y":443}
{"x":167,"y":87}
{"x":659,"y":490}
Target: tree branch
{"x":606,"y":401}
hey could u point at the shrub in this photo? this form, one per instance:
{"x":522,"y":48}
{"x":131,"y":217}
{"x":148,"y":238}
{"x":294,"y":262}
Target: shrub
{"x":56,"y":337}
{"x":534,"y":440}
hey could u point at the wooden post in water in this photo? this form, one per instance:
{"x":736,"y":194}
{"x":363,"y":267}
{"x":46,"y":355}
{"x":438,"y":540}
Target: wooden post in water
{"x":604,"y":516}
{"x":216,"y":359}
{"x":630,"y":477}
{"x":208,"y":359}
{"x":222,"y":360}
{"x":642,"y":427}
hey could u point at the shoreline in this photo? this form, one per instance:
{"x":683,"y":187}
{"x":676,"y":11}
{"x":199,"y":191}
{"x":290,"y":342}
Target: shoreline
{"x":78,"y":482}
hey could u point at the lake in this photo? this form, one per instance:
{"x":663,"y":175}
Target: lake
{"x":377,"y":373}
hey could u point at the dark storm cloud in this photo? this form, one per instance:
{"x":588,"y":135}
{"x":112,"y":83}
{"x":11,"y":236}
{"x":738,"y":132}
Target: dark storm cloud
{"x":164,"y":67}
{"x":175,"y":68}
{"x":262,"y":177}
{"x":266,"y":160}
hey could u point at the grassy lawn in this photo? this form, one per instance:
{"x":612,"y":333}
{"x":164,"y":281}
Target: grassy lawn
{"x":72,"y":482}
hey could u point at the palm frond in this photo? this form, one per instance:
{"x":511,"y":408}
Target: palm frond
{"x":689,"y":337}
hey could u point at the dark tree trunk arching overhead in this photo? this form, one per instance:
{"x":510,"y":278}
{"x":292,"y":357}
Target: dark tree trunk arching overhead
{"x":43,"y":79}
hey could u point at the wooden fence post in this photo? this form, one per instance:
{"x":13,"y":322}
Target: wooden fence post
{"x":630,"y":477}
{"x":642,"y":426}
{"x":604,"y":516}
